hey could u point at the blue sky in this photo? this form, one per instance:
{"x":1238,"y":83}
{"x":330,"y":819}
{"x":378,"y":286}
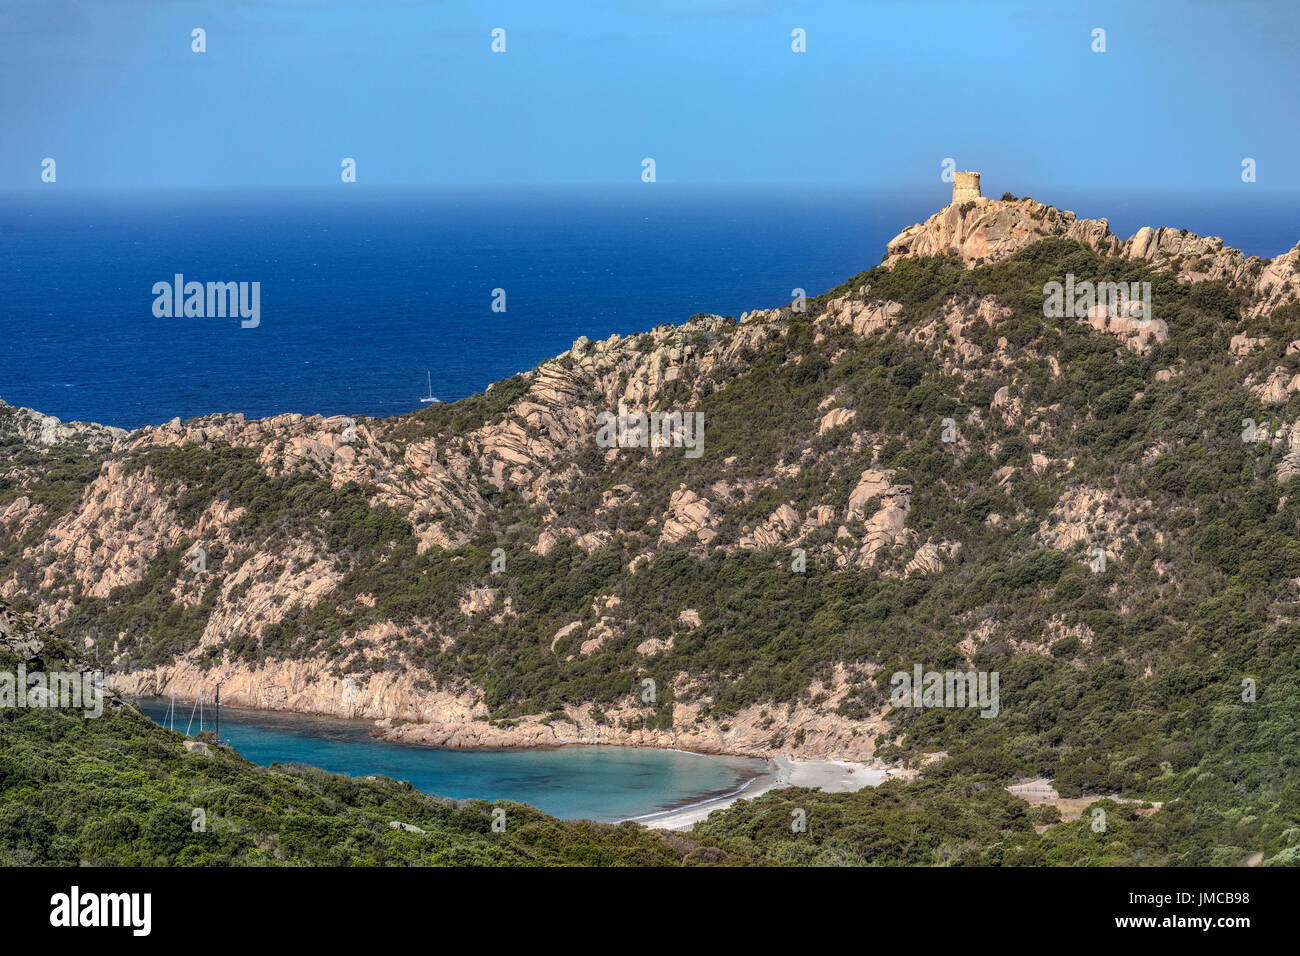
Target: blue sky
{"x":709,"y":88}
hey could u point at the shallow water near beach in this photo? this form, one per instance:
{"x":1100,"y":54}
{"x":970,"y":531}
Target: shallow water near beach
{"x":572,"y":782}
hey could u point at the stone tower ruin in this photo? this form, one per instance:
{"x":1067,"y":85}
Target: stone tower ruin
{"x":965,"y":187}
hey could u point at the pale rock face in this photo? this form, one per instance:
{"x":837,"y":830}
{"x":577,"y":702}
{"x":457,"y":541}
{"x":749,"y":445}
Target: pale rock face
{"x":588,"y":541}
{"x":1244,"y":344}
{"x":1136,"y":334}
{"x":595,"y":540}
{"x":654,"y":645}
{"x":835,"y":418}
{"x":307,"y":686}
{"x":1009,"y":405}
{"x":887,"y":526}
{"x":751,"y":731}
{"x":46,"y":430}
{"x":618,"y":495}
{"x":564,"y":632}
{"x":477,"y":600}
{"x":1057,"y":629}
{"x":601,"y":633}
{"x":946,"y":333}
{"x":19,"y":515}
{"x":687,"y":514}
{"x":821,"y":516}
{"x":1288,"y":436}
{"x":546,"y":542}
{"x":926,"y":560}
{"x":266,"y":579}
{"x":1278,"y":281}
{"x":992,"y":230}
{"x":1162,"y":245}
{"x":1198,"y":258}
{"x":18,"y":634}
{"x":864,"y":317}
{"x":597,"y":635}
{"x":129,"y":518}
{"x":776,"y":530}
{"x":874,"y":483}
{"x":783,"y":528}
{"x":1093,"y":517}
{"x":1288,"y":468}
{"x":1277,"y":387}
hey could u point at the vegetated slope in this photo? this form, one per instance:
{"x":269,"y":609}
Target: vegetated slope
{"x":120,"y":790}
{"x":355,"y":576}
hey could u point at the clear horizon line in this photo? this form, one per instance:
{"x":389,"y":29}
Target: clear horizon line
{"x":1285,"y":189}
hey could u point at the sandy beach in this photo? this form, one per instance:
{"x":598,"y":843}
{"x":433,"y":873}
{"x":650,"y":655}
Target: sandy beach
{"x":833,"y":776}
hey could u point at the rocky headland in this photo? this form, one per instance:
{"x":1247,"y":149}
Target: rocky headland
{"x":305,"y":521}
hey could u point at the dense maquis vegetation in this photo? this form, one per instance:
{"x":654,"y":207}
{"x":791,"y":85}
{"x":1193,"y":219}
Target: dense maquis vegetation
{"x":64,"y":472}
{"x":120,"y":790}
{"x":964,"y":819}
{"x":975,"y":822}
{"x":1128,"y":681}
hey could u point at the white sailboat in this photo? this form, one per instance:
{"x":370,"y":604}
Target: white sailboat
{"x":429,"y":398}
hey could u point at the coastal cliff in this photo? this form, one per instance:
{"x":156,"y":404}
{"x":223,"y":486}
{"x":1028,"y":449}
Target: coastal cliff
{"x":916,"y":467}
{"x":985,"y":230}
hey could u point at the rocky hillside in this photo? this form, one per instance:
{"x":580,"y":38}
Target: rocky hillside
{"x":983,"y":230}
{"x":120,"y":790}
{"x":918,"y":467}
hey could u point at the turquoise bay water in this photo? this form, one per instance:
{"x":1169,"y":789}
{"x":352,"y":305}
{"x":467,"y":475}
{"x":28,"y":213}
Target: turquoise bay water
{"x":572,"y":782}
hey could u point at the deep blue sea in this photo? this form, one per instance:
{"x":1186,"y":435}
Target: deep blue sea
{"x":364,"y":292}
{"x":574,"y":782}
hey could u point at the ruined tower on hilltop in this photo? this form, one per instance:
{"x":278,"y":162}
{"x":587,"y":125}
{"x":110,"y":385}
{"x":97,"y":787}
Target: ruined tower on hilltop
{"x":965,"y":187}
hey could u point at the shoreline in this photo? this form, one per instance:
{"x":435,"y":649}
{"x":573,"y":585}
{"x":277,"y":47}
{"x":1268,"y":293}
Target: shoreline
{"x":408,"y":706}
{"x":830,"y":776}
{"x":778,"y":771}
{"x":457,"y":731}
{"x":686,"y":816}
